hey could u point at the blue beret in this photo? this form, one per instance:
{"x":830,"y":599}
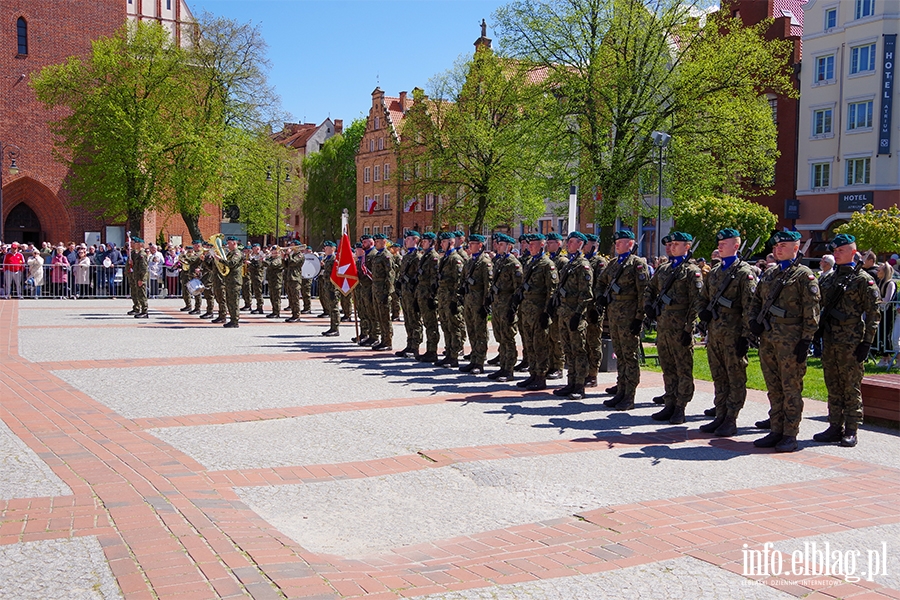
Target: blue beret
{"x":623,"y":234}
{"x":476,"y":238}
{"x":554,"y":237}
{"x":680,"y":236}
{"x":727,"y":234}
{"x":786,"y":236}
{"x":842,"y":239}
{"x":591,"y":237}
{"x":379,"y":236}
{"x":428,"y":235}
{"x":329,"y":244}
{"x":578,"y":236}
{"x":135,"y":238}
{"x":446,"y":235}
{"x":412,"y":233}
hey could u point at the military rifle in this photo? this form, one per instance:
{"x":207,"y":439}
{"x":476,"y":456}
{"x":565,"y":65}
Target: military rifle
{"x":663,"y":297}
{"x":769,"y":305}
{"x":829,"y":311}
{"x":719,"y":299}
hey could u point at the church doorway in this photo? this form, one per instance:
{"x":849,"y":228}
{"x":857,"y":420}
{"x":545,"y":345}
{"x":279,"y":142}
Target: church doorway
{"x":22,"y":225}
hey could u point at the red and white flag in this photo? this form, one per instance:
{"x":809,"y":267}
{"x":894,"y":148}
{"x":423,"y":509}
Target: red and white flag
{"x":344,"y":275}
{"x":371,"y":206}
{"x":410,"y":205}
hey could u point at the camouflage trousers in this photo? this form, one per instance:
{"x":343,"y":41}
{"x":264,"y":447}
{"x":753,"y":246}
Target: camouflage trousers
{"x":675,"y":360}
{"x":728,"y":370}
{"x":328,"y":298}
{"x":209,"y":297}
{"x":381,"y":311}
{"x":306,"y":293}
{"x":429,"y":318}
{"x":452,"y":325}
{"x":256,"y":291}
{"x":537,"y":339}
{"x":347,"y":305}
{"x":574,"y":345}
{"x":625,"y":345}
{"x":139,"y":297}
{"x":557,"y":352}
{"x":783,"y":376}
{"x":843,"y":377}
{"x":505,"y":334}
{"x":368,"y":326}
{"x":232,"y":302}
{"x":592,"y":335}
{"x":184,"y":277}
{"x":219,"y":293}
{"x":293,"y":294}
{"x":275,"y":297}
{"x":396,"y":304}
{"x":412,"y":319}
{"x":245,"y":291}
{"x":476,"y":326}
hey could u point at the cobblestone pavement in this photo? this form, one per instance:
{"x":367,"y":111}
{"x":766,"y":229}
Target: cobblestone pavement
{"x":172,"y":458}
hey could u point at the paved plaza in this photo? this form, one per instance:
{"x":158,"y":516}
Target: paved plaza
{"x":172,"y":458}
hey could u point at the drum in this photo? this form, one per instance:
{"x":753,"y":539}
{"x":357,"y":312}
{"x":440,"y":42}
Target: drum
{"x":311,"y":266}
{"x":195,"y":287}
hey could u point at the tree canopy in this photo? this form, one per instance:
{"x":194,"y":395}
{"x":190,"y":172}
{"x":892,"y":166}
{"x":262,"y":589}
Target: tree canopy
{"x":877,"y":230}
{"x":704,"y":217}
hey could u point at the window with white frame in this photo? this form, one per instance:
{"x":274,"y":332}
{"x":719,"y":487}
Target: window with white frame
{"x":376,"y":174}
{"x":429,"y":202}
{"x":387,"y":202}
{"x":418,"y":205}
{"x":862,"y":59}
{"x":367,"y":231}
{"x":371,"y":145}
{"x":824,"y":68}
{"x":864,"y":8}
{"x":831,"y":18}
{"x":377,"y":200}
{"x":367,"y":175}
{"x":822,"y":121}
{"x":381,"y":143}
{"x":377,"y":123}
{"x":376,"y":230}
{"x":858,"y":170}
{"x":387,"y":171}
{"x":821,"y":175}
{"x":366,"y":203}
{"x":859,"y":115}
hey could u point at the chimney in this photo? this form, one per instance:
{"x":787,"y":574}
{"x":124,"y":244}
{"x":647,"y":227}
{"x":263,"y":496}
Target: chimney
{"x":403,"y":102}
{"x":338,"y":126}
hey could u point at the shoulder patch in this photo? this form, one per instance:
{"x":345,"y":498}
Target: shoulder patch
{"x":813,"y":288}
{"x":699,"y":284}
{"x":698,"y":274}
{"x":811,"y":277}
{"x":750,"y":276}
{"x":639,"y":266}
{"x":871,"y":282}
{"x":553,"y":275}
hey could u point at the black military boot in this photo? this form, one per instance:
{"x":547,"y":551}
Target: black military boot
{"x":185,"y":309}
{"x":577,"y":392}
{"x":206,"y":315}
{"x":196,"y":311}
{"x":474,"y":368}
{"x":521,"y":367}
{"x":273,"y":316}
{"x":769,"y":441}
{"x":494,"y":361}
{"x":452,"y":362}
{"x":612,"y":391}
{"x":710,"y":412}
{"x":627,"y":402}
{"x":557,"y":374}
{"x":590,"y":381}
{"x":526,"y":382}
{"x":728,"y":427}
{"x":218,"y":320}
{"x":849,"y":439}
{"x":539,"y":383}
{"x":402,"y":353}
{"x":787,"y":443}
{"x":430,"y":356}
{"x":505,"y":375}
{"x":381,"y":346}
{"x":231,"y":325}
{"x":677,"y":417}
{"x":665,"y":414}
{"x":247,"y":307}
{"x":334,"y":331}
{"x":713,"y":425}
{"x":564,"y":390}
{"x":659,"y":399}
{"x":612,"y":402}
{"x":764,"y":424}
{"x":834,"y":433}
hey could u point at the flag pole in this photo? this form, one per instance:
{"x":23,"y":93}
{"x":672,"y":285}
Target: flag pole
{"x":345,"y":230}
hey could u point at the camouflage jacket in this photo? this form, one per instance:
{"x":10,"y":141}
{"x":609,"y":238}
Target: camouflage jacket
{"x":850,"y":302}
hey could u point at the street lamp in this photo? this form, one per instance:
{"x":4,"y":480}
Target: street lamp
{"x":12,"y":151}
{"x":287,"y":179}
{"x":660,"y":140}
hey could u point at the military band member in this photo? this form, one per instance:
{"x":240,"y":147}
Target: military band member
{"x":232,"y":282}
{"x":450,"y":271}
{"x":218,"y":285}
{"x":140,"y":276}
{"x":849,"y":319}
{"x":207,"y":268}
{"x":507,"y":276}
{"x":382,"y":266}
{"x":305,"y":284}
{"x":673,"y":297}
{"x":185,"y":274}
{"x":405,"y":286}
{"x":557,"y":358}
{"x":784,"y":313}
{"x":594,"y":331}
{"x":245,"y":280}
{"x":328,"y":292}
{"x":727,"y":294}
{"x":573,"y":297}
{"x":275,"y":279}
{"x":426,"y":294}
{"x":621,"y":294}
{"x":476,"y":299}
{"x":193,"y":260}
{"x":293,"y":279}
{"x":538,"y":286}
{"x":256,"y":271}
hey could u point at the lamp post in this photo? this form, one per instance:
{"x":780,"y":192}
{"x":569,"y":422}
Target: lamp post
{"x":287,"y":179}
{"x":13,"y":152}
{"x":660,"y":140}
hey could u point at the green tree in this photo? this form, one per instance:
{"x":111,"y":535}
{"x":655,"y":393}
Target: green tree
{"x":120,"y":129}
{"x":625,"y":68}
{"x":330,"y":176}
{"x":704,"y":217}
{"x":481,"y":143}
{"x":878,"y":230}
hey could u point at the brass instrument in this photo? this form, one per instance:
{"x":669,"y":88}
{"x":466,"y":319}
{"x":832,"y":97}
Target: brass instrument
{"x":185,"y":266}
{"x":219,"y":252}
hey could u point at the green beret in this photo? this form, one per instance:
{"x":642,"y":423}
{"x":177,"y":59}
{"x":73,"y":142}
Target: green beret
{"x":358,"y":245}
{"x":666,"y":239}
{"x":577,"y":235}
{"x":197,"y":242}
{"x":429,"y":236}
{"x":329,"y":244}
{"x":365,"y":236}
{"x":297,"y":243}
{"x":256,"y":245}
{"x":591,"y":237}
{"x":136,"y":239}
{"x":231,"y":238}
{"x":623,"y":234}
{"x":509,"y":239}
{"x":727,"y":234}
{"x":554,"y":237}
{"x":523,"y":237}
{"x":413,"y":233}
{"x":842,"y":239}
{"x":680,"y":236}
{"x":459,"y":233}
{"x":536,"y":237}
{"x":446,"y":235}
{"x":476,"y":238}
{"x":785,"y":236}
{"x":379,"y":236}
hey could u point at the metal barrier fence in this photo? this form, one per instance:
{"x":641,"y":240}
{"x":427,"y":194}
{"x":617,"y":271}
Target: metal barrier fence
{"x":93,"y":281}
{"x":885,"y":338}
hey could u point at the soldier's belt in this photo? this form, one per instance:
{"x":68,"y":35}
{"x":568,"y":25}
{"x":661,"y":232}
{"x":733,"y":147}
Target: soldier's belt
{"x":621,"y":298}
{"x":786,"y":320}
{"x":674,"y":307}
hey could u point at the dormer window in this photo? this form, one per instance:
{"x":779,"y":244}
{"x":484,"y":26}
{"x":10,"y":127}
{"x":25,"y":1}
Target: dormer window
{"x":22,"y":34}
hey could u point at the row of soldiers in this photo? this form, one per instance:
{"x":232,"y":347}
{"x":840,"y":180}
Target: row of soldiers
{"x":557,"y":302}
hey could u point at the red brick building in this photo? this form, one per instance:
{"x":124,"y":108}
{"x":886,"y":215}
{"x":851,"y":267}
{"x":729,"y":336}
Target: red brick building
{"x":34,"y":34}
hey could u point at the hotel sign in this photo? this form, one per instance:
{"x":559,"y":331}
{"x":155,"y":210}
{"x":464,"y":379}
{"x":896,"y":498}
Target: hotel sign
{"x":851,"y":202}
{"x":887,"y":94}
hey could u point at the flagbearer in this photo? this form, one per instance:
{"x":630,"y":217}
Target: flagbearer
{"x":406,"y":286}
{"x":327,"y":291}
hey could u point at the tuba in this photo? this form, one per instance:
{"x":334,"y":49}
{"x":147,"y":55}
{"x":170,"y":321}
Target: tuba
{"x":219,"y":249}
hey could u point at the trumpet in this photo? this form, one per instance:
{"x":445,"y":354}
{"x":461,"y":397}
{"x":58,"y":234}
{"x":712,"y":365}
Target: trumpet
{"x":219,"y":252}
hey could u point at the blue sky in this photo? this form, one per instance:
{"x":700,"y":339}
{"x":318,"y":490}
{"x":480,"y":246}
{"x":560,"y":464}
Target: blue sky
{"x":328,"y":55}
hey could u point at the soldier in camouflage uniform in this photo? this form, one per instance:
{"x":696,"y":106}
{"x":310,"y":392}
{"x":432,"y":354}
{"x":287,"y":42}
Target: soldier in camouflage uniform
{"x":256,"y":273}
{"x":557,"y":356}
{"x":184,"y":276}
{"x":459,"y":245}
{"x":573,"y":297}
{"x":621,"y":293}
{"x":275,"y":278}
{"x":382,"y":266}
{"x":594,"y":330}
{"x":784,"y":313}
{"x":849,"y":319}
{"x":207,"y":268}
{"x":293,"y":279}
{"x":231,"y":283}
{"x":539,"y":282}
{"x":507,"y":278}
{"x":193,"y":259}
{"x":328,"y":292}
{"x":395,"y":295}
{"x":727,"y":293}
{"x":426,"y":291}
{"x":140,"y":276}
{"x":218,"y":286}
{"x":407,"y":277}
{"x":476,"y":300}
{"x":450,"y":271}
{"x":369,"y":329}
{"x":305,"y":284}
{"x":524,"y":258}
{"x":245,"y":281}
{"x":674,"y":298}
